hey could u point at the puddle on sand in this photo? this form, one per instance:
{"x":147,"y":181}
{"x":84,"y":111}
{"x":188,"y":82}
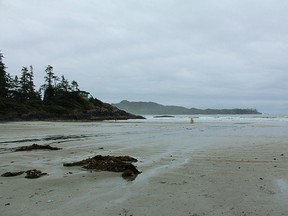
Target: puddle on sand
{"x":282,"y":196}
{"x":283,"y":186}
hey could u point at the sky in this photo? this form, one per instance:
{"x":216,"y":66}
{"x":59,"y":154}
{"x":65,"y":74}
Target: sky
{"x":192,"y":53}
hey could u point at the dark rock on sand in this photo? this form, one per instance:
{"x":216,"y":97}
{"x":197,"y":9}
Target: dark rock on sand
{"x":36,"y":147}
{"x":110,"y":163}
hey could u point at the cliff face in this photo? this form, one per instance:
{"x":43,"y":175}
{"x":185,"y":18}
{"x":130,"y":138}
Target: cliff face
{"x":67,"y":107}
{"x":151,"y":108}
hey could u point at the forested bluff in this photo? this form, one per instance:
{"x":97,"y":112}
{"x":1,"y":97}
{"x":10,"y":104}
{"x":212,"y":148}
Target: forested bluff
{"x":56,"y":99}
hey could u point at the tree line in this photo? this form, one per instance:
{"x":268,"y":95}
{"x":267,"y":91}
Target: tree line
{"x":22,"y":88}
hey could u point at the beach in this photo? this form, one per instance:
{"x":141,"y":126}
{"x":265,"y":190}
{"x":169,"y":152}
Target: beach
{"x":220,"y":165}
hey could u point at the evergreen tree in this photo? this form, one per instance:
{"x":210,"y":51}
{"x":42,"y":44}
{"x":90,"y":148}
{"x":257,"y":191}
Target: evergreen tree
{"x":14,"y":88}
{"x":64,"y":84}
{"x":4,"y":78}
{"x":31,"y":86}
{"x":49,"y":76}
{"x":27,"y":87}
{"x":24,"y":84}
{"x":49,"y":90}
{"x":74,"y":86}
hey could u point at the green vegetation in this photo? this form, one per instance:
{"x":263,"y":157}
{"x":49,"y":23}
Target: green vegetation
{"x":56,"y":99}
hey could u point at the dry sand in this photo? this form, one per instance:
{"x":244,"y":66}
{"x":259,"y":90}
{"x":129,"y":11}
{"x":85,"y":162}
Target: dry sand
{"x":241,"y":179}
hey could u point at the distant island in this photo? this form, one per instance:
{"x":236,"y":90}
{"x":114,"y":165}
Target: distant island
{"x":152,"y":108}
{"x":56,"y":99}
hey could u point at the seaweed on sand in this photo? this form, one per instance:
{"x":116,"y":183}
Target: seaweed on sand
{"x":30,"y":174}
{"x":110,"y":163}
{"x":36,"y":147}
{"x":11,"y":174}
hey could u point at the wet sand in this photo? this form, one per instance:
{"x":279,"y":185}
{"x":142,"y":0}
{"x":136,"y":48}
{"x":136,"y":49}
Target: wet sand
{"x":242,"y":171}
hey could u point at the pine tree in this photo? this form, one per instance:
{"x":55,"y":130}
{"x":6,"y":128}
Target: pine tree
{"x":49,"y":90}
{"x":31,"y":86}
{"x":74,"y":86}
{"x":64,"y":84}
{"x":24,"y":85}
{"x":14,"y":88}
{"x":27,"y":87}
{"x":4,"y":79}
{"x":49,"y":76}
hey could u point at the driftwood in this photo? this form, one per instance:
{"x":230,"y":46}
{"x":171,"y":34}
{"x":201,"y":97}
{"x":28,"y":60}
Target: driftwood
{"x":36,"y":147}
{"x":110,"y":163}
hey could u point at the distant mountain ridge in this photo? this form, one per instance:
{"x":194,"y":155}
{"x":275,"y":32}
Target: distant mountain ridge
{"x":152,"y":108}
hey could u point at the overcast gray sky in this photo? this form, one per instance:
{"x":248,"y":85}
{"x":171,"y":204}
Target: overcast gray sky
{"x":195,"y":53}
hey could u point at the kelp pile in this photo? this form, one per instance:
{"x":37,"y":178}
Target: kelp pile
{"x":99,"y":163}
{"x":110,"y":163}
{"x":30,"y":174}
{"x":36,"y":147}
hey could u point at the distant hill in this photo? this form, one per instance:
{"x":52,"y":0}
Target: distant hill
{"x":152,"y":108}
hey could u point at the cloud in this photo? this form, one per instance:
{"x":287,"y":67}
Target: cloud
{"x":194,"y":53}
